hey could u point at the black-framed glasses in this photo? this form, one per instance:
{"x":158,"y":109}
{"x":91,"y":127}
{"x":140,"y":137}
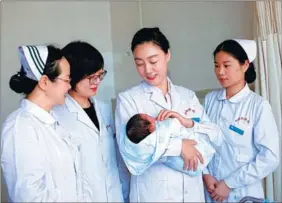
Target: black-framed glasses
{"x":95,"y":79}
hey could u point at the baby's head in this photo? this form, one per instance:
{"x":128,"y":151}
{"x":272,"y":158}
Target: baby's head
{"x":140,"y":126}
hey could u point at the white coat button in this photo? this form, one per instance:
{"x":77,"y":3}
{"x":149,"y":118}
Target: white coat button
{"x":186,"y":192}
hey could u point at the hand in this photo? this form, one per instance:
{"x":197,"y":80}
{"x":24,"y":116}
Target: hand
{"x":210,"y":182}
{"x":221,"y":191}
{"x":165,"y":114}
{"x":190,"y":155}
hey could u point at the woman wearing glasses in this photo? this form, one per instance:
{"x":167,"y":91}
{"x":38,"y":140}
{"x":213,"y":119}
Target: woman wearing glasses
{"x":38,"y":160}
{"x":90,"y":124}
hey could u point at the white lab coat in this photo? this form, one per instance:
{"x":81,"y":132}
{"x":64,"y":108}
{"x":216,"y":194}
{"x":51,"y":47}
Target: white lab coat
{"x":160,"y":183}
{"x":97,"y":149}
{"x":37,"y":159}
{"x":251,"y":148}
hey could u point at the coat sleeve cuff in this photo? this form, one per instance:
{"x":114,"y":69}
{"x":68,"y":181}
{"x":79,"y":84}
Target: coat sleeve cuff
{"x":174,"y":147}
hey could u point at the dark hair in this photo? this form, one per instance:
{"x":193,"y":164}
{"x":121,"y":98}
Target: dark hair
{"x":84,"y":60}
{"x":20,"y":83}
{"x":235,"y":49}
{"x":137,"y":128}
{"x":153,"y":35}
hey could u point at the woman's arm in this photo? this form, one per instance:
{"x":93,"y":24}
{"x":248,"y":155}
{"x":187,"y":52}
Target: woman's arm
{"x":24,"y":168}
{"x":129,"y":151}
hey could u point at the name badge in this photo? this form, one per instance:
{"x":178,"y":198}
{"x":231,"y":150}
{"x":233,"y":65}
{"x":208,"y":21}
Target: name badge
{"x":196,"y":119}
{"x":237,"y":130}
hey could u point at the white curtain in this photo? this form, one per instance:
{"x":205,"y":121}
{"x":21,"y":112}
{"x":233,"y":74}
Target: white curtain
{"x":269,"y":80}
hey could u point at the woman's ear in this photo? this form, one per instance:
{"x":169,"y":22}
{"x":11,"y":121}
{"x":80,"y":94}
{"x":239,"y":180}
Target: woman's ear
{"x":43,"y":82}
{"x":246,"y":65}
{"x":168,"y":56}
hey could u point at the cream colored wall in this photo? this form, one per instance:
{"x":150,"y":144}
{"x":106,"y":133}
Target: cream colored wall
{"x":194,"y":29}
{"x":55,"y":22}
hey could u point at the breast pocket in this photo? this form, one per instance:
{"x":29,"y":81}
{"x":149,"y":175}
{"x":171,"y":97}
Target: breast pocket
{"x":240,"y":135}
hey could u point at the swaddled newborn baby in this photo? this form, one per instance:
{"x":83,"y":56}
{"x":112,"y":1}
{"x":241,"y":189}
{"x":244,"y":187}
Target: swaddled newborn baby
{"x":145,"y":131}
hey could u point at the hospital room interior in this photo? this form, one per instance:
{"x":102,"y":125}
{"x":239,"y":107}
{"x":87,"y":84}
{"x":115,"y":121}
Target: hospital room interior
{"x":194,"y":29}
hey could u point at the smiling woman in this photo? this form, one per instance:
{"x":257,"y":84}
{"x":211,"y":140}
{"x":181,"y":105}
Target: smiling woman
{"x":151,"y":57}
{"x":156,"y":92}
{"x":34,"y":74}
{"x":36,"y":152}
{"x":90,"y":124}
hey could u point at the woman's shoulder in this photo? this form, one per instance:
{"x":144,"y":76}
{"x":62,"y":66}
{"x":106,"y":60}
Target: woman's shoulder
{"x":20,"y":115}
{"x":213,"y":93}
{"x":17,"y":121}
{"x":256,"y":97}
{"x":256,"y":101}
{"x":253,"y":98}
{"x":132,"y":91}
{"x":103,"y":104}
{"x":258,"y":106}
{"x":184,"y":91}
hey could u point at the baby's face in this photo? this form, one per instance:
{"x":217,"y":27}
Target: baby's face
{"x":152,"y":121}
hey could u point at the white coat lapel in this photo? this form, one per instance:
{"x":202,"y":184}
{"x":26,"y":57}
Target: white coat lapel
{"x":175,"y":98}
{"x":155,"y":95}
{"x":99,"y":113}
{"x":159,"y":99}
{"x":75,"y":108}
{"x":84,"y":118}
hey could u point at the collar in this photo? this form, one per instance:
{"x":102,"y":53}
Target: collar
{"x":237,"y":97}
{"x":38,"y":112}
{"x":72,"y":104}
{"x":151,"y":89}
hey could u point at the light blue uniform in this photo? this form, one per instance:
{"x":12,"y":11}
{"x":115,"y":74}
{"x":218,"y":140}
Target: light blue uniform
{"x":152,"y":148}
{"x":160,"y":183}
{"x":250,"y":151}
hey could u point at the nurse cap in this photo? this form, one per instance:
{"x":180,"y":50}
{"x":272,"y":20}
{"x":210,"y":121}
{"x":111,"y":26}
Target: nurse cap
{"x":33,"y":59}
{"x":250,"y":48}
